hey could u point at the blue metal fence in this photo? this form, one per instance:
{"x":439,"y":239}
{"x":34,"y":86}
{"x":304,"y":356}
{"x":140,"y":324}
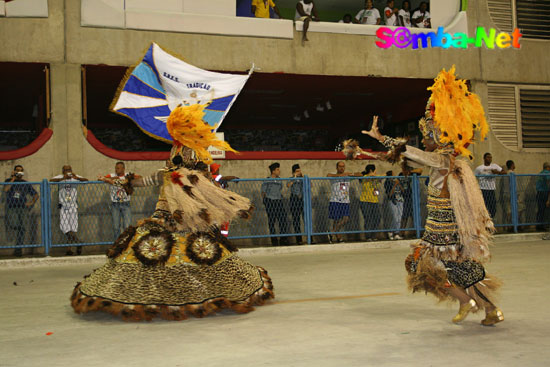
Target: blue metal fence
{"x":288,"y":210}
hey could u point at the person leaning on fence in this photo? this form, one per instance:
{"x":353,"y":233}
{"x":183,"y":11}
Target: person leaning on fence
{"x":339,"y":205}
{"x":394,"y":197}
{"x":17,"y":206}
{"x":120,"y":194}
{"x":272,"y":197}
{"x":488,"y":184}
{"x":68,"y":205}
{"x":221,"y":181}
{"x":370,"y":201}
{"x":505,"y":198}
{"x":543,"y":194}
{"x":296,"y":202}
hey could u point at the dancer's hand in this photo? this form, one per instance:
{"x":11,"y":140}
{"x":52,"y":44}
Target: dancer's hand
{"x":374,"y":132}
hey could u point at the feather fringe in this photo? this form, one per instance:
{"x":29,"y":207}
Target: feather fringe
{"x":475,"y":225}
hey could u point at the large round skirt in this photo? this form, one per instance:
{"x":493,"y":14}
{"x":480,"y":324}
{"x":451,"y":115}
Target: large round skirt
{"x":152,"y":272}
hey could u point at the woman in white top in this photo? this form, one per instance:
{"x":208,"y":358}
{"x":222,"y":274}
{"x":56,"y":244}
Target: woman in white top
{"x":421,"y":18}
{"x":390,"y":14}
{"x":368,"y":15}
{"x":306,"y":12}
{"x":404,"y":15}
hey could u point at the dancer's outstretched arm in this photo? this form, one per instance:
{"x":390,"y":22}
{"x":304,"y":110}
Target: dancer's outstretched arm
{"x":413,"y":154}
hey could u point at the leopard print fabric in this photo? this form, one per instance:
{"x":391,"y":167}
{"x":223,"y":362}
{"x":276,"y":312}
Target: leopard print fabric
{"x":181,"y":284}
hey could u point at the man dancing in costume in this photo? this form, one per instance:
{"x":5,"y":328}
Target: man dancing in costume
{"x":448,"y":260}
{"x":176,"y":263}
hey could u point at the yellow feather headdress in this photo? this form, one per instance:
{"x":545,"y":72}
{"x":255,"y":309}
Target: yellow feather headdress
{"x":453,"y":114}
{"x":188,"y":129}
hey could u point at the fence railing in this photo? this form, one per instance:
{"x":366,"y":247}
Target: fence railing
{"x":288,"y":210}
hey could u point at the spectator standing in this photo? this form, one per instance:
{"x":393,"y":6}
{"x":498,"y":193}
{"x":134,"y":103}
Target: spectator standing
{"x":505,"y":198}
{"x":346,"y":19}
{"x":260,"y":8}
{"x":221,"y":181}
{"x":421,"y":18}
{"x":390,"y":14}
{"x":394,"y":196}
{"x":339,"y":208}
{"x":488,"y":184}
{"x":68,"y":205}
{"x":543,"y":194}
{"x":272,"y":197}
{"x":404,"y":15}
{"x":120,"y":196}
{"x":368,"y":15}
{"x":306,"y":12}
{"x":17,"y":206}
{"x":370,"y":201}
{"x":297,"y":201}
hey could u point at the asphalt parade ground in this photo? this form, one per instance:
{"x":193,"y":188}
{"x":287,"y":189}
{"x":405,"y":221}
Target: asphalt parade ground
{"x":335,"y":305}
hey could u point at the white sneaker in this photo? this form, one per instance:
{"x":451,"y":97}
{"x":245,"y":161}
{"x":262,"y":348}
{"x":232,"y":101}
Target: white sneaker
{"x":397,"y":237}
{"x":390,"y":236}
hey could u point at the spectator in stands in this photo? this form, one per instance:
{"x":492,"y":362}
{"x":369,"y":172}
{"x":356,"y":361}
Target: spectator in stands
{"x":306,"y":12}
{"x":421,"y":17}
{"x":338,"y":209}
{"x":404,"y":15}
{"x":17,"y":206}
{"x":488,"y":184}
{"x":68,"y":205}
{"x":272,"y":197}
{"x":120,"y":194}
{"x":406,"y":183}
{"x":390,"y":14}
{"x":505,"y":198}
{"x":346,"y":19}
{"x":260,"y":8}
{"x":370,"y":201}
{"x":543,"y":194}
{"x":221,"y":181}
{"x":368,"y":15}
{"x":394,"y":196}
{"x":296,"y":202}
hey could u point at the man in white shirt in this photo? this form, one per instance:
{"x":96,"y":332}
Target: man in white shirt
{"x":421,"y":18}
{"x":404,"y":15}
{"x":390,"y":14}
{"x":339,"y":205}
{"x":120,"y":198}
{"x":488,"y":184}
{"x":68,"y":205}
{"x":368,"y":15}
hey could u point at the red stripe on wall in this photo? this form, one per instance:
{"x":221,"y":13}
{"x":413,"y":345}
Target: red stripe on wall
{"x":243,"y":156}
{"x":32,"y":148}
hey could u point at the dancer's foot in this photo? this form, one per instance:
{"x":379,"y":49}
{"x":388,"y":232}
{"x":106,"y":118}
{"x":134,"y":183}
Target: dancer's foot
{"x":493,"y":317}
{"x":304,"y":40}
{"x":69,"y":253}
{"x":79,"y":250}
{"x":464,"y":310}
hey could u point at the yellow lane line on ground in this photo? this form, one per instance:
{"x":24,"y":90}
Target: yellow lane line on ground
{"x":337,"y":298}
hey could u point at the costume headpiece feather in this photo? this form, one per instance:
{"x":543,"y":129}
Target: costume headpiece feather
{"x":453,"y":113}
{"x":188,"y":129}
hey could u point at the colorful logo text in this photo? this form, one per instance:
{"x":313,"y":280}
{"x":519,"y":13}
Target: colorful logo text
{"x":403,"y":38}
